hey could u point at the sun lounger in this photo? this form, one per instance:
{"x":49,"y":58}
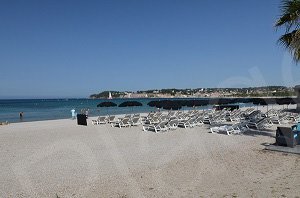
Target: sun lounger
{"x":260,"y":124}
{"x":111,"y":119}
{"x":173,"y":124}
{"x":199,"y":121}
{"x":135,"y":121}
{"x":162,"y":126}
{"x":153,"y":120}
{"x":100,"y":120}
{"x":225,"y":128}
{"x":229,"y":129}
{"x":125,"y":122}
{"x":281,"y":119}
{"x":187,"y":123}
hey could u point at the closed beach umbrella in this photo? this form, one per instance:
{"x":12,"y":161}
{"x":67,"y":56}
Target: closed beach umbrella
{"x":107,"y":104}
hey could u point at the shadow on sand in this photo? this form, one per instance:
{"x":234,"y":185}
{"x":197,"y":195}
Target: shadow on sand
{"x":264,"y":132}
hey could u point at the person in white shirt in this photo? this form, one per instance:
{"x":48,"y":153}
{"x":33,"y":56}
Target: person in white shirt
{"x":73,"y":114}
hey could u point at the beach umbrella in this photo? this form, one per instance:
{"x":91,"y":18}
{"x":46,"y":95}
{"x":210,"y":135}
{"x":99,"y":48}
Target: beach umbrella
{"x":220,"y":101}
{"x":258,"y":101}
{"x":241,"y":100}
{"x":269,"y":101}
{"x":197,"y":103}
{"x":153,"y":103}
{"x":263,"y":102}
{"x":224,"y":101}
{"x":156,"y":103}
{"x":287,"y":101}
{"x":107,"y":104}
{"x":130,"y":104}
{"x":171,"y":104}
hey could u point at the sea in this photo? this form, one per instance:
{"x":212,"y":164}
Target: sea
{"x":51,"y":109}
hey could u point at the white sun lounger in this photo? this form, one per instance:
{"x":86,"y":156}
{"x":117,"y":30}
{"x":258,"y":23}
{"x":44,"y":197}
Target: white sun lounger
{"x":100,"y":120}
{"x":229,"y":129}
{"x":125,"y":122}
{"x":162,"y":126}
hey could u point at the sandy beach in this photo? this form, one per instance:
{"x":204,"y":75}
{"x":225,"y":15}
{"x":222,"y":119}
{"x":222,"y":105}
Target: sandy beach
{"x":59,"y":158}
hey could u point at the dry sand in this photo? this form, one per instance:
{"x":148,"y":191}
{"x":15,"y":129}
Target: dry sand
{"x":60,"y":158}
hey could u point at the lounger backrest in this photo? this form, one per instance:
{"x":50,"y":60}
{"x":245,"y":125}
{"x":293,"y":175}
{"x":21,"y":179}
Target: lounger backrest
{"x":111,"y":118}
{"x":173,"y":118}
{"x":173,"y":123}
{"x":162,"y":124}
{"x":127,"y":116}
{"x":199,"y":119}
{"x":102,"y":118}
{"x":163,"y":117}
{"x":155,"y":119}
{"x":192,"y":120}
{"x":125,"y":120}
{"x":261,"y":121}
{"x":135,"y":119}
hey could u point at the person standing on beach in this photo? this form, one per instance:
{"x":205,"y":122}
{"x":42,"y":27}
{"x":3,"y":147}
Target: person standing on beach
{"x":21,"y":115}
{"x":73,"y":114}
{"x":87,"y":113}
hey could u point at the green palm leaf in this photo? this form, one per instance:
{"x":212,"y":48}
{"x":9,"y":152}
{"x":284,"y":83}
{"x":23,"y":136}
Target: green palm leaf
{"x":290,"y":19}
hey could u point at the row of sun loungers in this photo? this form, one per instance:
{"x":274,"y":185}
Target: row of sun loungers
{"x":126,"y":121}
{"x":103,"y":120}
{"x":219,"y":121}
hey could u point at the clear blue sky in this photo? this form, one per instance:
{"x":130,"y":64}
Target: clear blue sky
{"x":70,"y":48}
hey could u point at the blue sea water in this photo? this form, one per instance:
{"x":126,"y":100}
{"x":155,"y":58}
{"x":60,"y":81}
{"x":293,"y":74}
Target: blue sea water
{"x":50,"y":109}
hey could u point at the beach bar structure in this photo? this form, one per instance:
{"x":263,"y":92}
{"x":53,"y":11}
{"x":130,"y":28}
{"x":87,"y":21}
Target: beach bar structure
{"x":297,"y":90}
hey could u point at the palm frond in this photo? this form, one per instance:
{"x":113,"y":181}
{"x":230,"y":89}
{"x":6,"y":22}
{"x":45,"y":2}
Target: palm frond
{"x":287,"y":39}
{"x":290,"y":17}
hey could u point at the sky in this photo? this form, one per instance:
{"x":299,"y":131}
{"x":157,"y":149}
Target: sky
{"x":74,"y":48}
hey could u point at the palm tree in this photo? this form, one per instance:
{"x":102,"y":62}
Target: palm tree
{"x":290,"y":19}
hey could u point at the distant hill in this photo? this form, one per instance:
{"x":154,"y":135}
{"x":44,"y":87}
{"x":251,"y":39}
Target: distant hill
{"x":266,"y":91}
{"x":104,"y":94}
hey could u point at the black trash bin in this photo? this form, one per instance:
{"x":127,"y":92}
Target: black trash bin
{"x":285,"y":137}
{"x":81,"y":119}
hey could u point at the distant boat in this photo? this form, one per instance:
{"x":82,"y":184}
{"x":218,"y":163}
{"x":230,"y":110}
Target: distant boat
{"x":109,"y":95}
